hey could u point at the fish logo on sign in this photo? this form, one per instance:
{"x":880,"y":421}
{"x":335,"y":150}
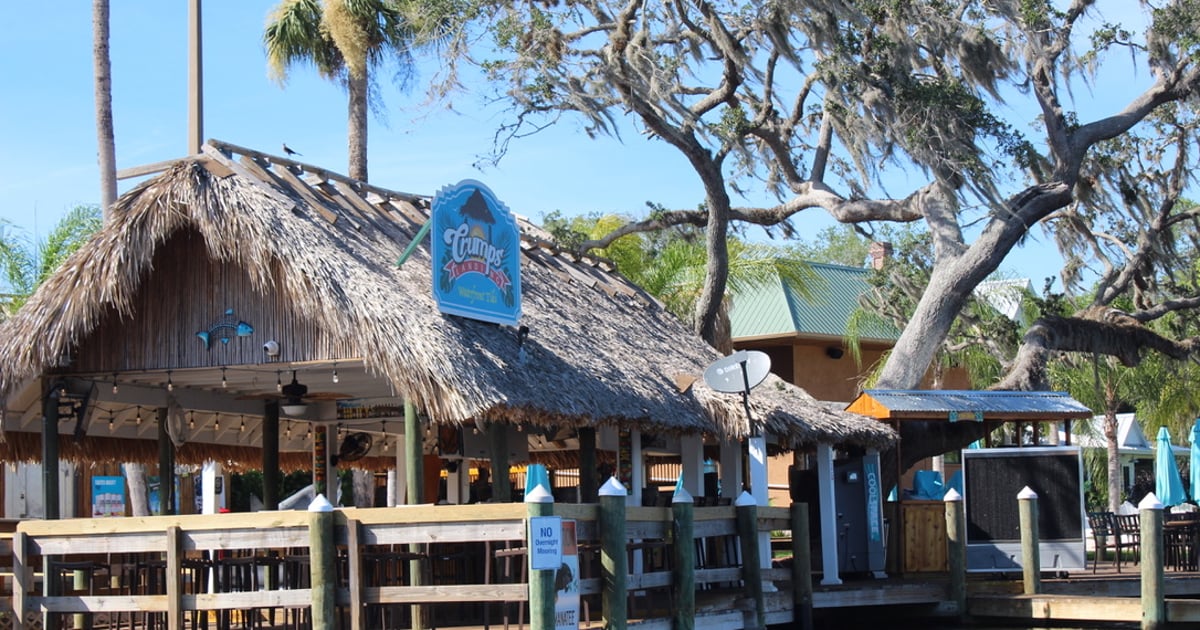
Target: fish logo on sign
{"x":476,"y":255}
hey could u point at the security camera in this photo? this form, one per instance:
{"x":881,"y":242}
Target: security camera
{"x":271,"y":348}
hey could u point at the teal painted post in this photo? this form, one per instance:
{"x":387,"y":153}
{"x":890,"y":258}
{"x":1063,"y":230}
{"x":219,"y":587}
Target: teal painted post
{"x":322,"y":568}
{"x":747,"y":529}
{"x":802,"y":587}
{"x":956,"y":549}
{"x":540,"y":502}
{"x":1154,"y":607}
{"x":683,"y":576}
{"x":1031,"y":562}
{"x":614,"y":564}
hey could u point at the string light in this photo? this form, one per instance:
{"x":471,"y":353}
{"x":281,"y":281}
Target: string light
{"x":191,"y":420}
{"x":224,"y":383}
{"x":288,"y":432}
{"x":170,"y":385}
{"x":115,"y":388}
{"x":278,"y":382}
{"x":335,"y":374}
{"x":385,"y":444}
{"x":111,"y":427}
{"x":242,"y":429}
{"x":217,"y":424}
{"x":139,"y":415}
{"x":308,"y":434}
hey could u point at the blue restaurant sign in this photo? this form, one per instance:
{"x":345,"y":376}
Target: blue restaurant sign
{"x":476,"y":255}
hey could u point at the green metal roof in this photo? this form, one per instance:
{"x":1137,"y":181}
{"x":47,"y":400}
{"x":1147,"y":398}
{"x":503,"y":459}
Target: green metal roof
{"x":777,"y":309}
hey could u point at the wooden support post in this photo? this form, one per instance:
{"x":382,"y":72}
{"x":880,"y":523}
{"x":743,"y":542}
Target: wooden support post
{"x":270,"y":455}
{"x":355,"y":571}
{"x":501,"y":481}
{"x":747,"y":529}
{"x":956,"y":549}
{"x":174,"y":577}
{"x":1154,"y":607}
{"x":683,"y":574}
{"x":414,"y":479}
{"x":614,"y":563}
{"x":323,"y":564}
{"x":587,"y":465}
{"x":22,"y":577}
{"x":802,"y":587}
{"x":50,"y":485}
{"x":1031,"y":559}
{"x":540,"y":502}
{"x":166,"y":465}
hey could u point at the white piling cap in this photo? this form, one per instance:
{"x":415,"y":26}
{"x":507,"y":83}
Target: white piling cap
{"x":951,"y":495}
{"x":1150,"y":502}
{"x":682,"y":496}
{"x":613,"y":488}
{"x":320,"y":504}
{"x":744,"y":499}
{"x":539,"y":494}
{"x":1026,"y":493}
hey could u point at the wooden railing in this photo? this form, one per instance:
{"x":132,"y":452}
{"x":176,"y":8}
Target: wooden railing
{"x":426,"y":563}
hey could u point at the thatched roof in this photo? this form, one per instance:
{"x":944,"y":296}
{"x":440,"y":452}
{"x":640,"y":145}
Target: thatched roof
{"x":599,"y":350}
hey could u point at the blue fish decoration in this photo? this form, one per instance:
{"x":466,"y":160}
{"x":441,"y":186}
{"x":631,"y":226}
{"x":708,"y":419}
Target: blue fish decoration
{"x":225,"y":329}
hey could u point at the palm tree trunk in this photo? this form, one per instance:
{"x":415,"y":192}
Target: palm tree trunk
{"x":102,"y":69}
{"x":357,"y":128}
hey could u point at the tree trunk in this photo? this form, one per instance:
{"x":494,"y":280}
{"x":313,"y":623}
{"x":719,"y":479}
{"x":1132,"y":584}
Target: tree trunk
{"x":135,"y":475}
{"x":357,"y":127}
{"x":102,"y":70}
{"x":1114,"y":460}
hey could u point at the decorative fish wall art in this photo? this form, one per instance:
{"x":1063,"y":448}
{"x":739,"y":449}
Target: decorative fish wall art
{"x":224,"y":329}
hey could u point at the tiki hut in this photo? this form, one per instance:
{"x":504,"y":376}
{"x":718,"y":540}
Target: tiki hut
{"x":233,"y":275}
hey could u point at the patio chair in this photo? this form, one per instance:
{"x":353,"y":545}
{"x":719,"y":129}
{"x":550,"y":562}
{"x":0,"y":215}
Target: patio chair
{"x":1130,"y":526}
{"x":1106,"y":534}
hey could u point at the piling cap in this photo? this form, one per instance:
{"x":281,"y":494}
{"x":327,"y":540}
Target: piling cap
{"x":539,"y":494}
{"x":613,"y":488}
{"x":1150,"y":502}
{"x":1026,"y":493}
{"x":320,"y":504}
{"x":744,"y":499}
{"x":951,"y":496}
{"x":681,"y":495}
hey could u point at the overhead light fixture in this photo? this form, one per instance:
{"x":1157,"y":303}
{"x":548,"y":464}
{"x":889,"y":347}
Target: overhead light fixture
{"x":293,"y":402}
{"x":294,"y":409}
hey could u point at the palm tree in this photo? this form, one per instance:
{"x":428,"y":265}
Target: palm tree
{"x":26,"y":263}
{"x":346,"y":40}
{"x":102,"y":70}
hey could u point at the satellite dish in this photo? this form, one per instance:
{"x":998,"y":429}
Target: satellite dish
{"x":726,"y":374}
{"x":354,"y":446}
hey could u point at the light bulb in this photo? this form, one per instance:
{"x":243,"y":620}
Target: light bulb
{"x":217,"y":424}
{"x":335,"y":376}
{"x":278,"y":383}
{"x":111,"y":428}
{"x":170,"y":385}
{"x":139,"y":416}
{"x":224,"y":383}
{"x":243,"y":427}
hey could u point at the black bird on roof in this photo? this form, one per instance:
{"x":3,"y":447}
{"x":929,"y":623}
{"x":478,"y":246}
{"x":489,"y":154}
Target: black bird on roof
{"x":288,"y":150}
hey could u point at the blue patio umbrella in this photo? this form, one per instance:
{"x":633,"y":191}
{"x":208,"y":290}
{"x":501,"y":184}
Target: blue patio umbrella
{"x":1168,"y":485}
{"x":1194,"y":462}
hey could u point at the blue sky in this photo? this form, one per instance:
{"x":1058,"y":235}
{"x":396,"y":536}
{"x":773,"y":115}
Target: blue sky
{"x":48,"y":138}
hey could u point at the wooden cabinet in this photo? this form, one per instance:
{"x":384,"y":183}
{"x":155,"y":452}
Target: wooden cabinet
{"x":923,"y":543}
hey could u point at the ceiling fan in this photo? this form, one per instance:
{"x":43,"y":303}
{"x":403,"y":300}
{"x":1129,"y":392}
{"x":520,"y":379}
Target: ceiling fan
{"x":354,"y":447}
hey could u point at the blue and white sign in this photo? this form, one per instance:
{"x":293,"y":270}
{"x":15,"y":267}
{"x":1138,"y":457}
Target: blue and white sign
{"x":545,"y":543}
{"x":476,"y":255}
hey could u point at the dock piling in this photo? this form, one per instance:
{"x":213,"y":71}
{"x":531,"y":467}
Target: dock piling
{"x":1154,"y":607}
{"x":1031,"y":561}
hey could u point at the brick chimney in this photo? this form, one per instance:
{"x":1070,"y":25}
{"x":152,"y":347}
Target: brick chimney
{"x":880,"y":251}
